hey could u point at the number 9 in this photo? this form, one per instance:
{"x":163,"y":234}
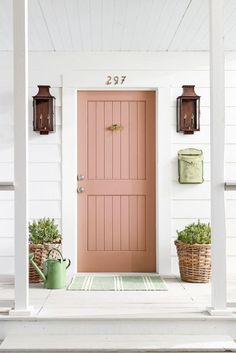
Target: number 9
{"x":116,"y":80}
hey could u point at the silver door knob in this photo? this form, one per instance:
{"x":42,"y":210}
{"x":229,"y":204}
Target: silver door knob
{"x":80,"y":177}
{"x":80,"y":190}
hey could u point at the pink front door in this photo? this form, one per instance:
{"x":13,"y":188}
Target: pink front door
{"x":116,"y":162}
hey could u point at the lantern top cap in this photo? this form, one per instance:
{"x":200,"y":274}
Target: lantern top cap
{"x":189,"y":92}
{"x":43,"y":92}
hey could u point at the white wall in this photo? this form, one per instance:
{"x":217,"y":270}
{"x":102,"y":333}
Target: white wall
{"x":188,"y":202}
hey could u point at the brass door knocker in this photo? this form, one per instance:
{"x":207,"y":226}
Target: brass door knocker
{"x":115,"y":127}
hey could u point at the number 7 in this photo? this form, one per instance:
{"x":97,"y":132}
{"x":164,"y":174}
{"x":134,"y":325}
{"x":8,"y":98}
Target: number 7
{"x":122,"y":79}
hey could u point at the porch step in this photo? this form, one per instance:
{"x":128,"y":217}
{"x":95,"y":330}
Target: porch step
{"x":117,"y":343}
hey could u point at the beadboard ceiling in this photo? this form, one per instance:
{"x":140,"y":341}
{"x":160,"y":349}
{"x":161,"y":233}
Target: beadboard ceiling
{"x":117,"y":25}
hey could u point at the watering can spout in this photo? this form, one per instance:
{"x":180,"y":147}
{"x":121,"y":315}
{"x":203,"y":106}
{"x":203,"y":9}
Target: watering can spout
{"x":41,"y":274}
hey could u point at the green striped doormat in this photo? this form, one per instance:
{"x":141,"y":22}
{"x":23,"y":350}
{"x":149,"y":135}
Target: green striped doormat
{"x":144,"y":282}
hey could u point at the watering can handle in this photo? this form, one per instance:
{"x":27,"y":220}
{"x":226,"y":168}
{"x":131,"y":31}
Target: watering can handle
{"x":69,"y":262}
{"x":55,"y":249}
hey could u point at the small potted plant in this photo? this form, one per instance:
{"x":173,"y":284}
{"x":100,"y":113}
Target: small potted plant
{"x":43,"y":236}
{"x":194,"y":252}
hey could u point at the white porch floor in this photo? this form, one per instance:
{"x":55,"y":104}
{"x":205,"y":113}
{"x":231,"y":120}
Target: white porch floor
{"x":181,"y":299}
{"x":179,"y":311}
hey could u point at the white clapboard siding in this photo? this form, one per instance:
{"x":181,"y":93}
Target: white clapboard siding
{"x":230,"y":171}
{"x":52,"y":138}
{"x":6,"y":153}
{"x":191,"y":191}
{"x":231,"y":246}
{"x":191,"y":208}
{"x":58,"y":116}
{"x":6,"y":195}
{"x":40,"y":209}
{"x":39,"y":153}
{"x":231,"y":265}
{"x":6,"y":246}
{"x":201,"y":137}
{"x":7,"y":171}
{"x":6,"y":265}
{"x":45,"y":171}
{"x":46,"y":190}
{"x":230,"y":208}
{"x":6,"y":228}
{"x":230,"y":115}
{"x":231,"y":227}
{"x":6,"y":117}
{"x":6,"y":209}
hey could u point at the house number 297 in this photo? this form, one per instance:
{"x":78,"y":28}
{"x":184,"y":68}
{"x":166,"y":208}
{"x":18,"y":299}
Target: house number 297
{"x":115,"y":80}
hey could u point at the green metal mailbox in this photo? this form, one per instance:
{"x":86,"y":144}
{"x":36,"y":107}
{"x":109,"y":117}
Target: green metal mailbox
{"x":190,"y":165}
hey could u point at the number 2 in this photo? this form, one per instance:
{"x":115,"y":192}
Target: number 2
{"x":108,"y":81}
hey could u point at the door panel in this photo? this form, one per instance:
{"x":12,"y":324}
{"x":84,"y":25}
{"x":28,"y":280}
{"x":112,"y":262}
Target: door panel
{"x":116,"y":211}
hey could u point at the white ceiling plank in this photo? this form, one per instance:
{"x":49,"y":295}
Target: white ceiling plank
{"x":120,"y":13}
{"x":39,"y":36}
{"x":200,"y":33}
{"x":168,"y":24}
{"x":6,"y":25}
{"x":107,"y":23}
{"x":230,"y":25}
{"x":96,"y":20}
{"x":130,"y":19}
{"x":229,"y":13}
{"x":73,"y":13}
{"x":189,"y":25}
{"x":117,"y":25}
{"x":55,"y":13}
{"x":85,"y":24}
{"x":154,"y":17}
{"x":145,"y":14}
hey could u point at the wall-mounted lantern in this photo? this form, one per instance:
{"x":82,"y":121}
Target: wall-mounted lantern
{"x":44,"y":111}
{"x":188,"y":111}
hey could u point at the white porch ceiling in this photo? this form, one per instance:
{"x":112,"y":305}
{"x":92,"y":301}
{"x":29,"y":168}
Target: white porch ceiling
{"x":117,"y":25}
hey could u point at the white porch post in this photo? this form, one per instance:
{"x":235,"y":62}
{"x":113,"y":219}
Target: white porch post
{"x":20,"y":16}
{"x":217,"y":100}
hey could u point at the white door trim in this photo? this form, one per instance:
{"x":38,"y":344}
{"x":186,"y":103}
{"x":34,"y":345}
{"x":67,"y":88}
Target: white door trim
{"x":73,"y":82}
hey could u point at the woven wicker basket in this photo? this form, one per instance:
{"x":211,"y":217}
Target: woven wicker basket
{"x":194,"y":262}
{"x":40,"y":255}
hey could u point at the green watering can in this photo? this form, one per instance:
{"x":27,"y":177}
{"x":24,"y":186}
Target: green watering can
{"x":54,"y":270}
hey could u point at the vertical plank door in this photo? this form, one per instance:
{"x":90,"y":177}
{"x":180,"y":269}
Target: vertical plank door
{"x":116,"y":172}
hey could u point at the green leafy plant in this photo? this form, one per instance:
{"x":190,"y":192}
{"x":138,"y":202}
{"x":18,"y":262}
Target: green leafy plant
{"x":43,"y":231}
{"x":195,"y":233}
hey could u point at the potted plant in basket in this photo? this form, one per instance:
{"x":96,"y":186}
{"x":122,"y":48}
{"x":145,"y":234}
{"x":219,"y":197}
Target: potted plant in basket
{"x":194,"y":252}
{"x":43,"y":236}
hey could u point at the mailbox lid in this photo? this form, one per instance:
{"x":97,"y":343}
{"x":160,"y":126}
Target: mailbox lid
{"x":190,"y":153}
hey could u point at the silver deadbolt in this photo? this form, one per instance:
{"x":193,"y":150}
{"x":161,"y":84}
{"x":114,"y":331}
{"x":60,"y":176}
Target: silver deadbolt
{"x":80,"y":177}
{"x":80,"y":190}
